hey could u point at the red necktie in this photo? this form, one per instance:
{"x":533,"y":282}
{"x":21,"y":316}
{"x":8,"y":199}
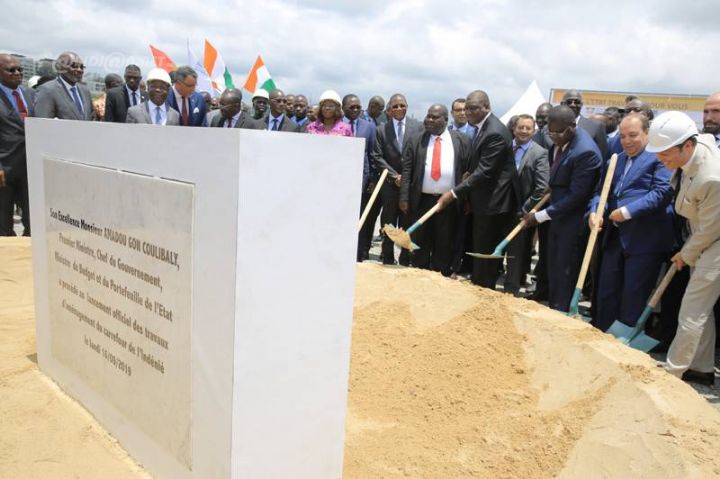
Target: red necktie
{"x":184,"y":112}
{"x":229,"y":123}
{"x":435,"y":169}
{"x":20,"y":105}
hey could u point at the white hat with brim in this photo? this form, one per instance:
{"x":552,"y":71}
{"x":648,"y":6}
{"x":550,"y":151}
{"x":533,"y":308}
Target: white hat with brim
{"x":159,"y":74}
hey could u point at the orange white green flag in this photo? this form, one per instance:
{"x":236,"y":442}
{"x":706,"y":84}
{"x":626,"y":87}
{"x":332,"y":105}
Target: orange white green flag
{"x":215,"y":66}
{"x":259,"y":77}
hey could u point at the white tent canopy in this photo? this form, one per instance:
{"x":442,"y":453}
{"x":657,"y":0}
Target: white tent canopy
{"x":527,"y":103}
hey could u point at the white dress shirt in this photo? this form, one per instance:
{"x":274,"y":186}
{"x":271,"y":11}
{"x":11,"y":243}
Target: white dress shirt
{"x":447,"y":165}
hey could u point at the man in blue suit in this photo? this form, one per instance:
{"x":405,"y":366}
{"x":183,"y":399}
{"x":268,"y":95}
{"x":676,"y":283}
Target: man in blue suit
{"x":574,"y":172}
{"x":639,"y":229}
{"x":362,"y":128}
{"x":185,"y":100}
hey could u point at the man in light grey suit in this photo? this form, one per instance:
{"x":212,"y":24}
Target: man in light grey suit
{"x":65,"y":97}
{"x":154,"y":110}
{"x":533,"y":168}
{"x":16,"y":104}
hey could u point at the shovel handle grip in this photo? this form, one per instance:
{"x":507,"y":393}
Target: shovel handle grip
{"x":371,"y":202}
{"x":521,"y":225}
{"x":594,"y":231}
{"x":657,"y":294}
{"x":423,"y":219}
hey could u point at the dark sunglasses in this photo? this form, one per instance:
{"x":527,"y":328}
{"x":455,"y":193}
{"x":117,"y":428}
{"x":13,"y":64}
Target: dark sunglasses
{"x":14,"y":70}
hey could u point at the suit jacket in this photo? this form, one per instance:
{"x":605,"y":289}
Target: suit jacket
{"x":533,"y":176}
{"x":597,"y":132}
{"x":387,"y":153}
{"x":492,"y":185}
{"x":12,"y":135}
{"x":141,"y":114}
{"x":573,"y":183}
{"x":366,"y":129}
{"x":286,"y":124}
{"x":698,"y":199}
{"x":413,"y":165}
{"x":646,"y":193}
{"x":197,"y":109}
{"x":245,"y":122}
{"x":54,"y":101}
{"x":542,"y":138}
{"x":117,"y":102}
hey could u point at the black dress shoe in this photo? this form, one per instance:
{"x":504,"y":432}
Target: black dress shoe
{"x":706,"y":379}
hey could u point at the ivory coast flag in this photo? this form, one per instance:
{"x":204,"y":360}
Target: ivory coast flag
{"x":162,"y":60}
{"x":259,"y":77}
{"x":215,"y":66}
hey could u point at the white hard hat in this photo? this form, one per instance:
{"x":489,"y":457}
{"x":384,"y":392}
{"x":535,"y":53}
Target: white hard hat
{"x":159,"y":74}
{"x":260,"y":93}
{"x":330,"y":95}
{"x":670,"y":129}
{"x":33,"y":81}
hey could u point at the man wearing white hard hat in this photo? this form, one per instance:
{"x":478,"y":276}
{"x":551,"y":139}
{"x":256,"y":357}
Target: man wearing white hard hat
{"x":154,"y":110}
{"x":260,"y":101}
{"x":696,"y":161}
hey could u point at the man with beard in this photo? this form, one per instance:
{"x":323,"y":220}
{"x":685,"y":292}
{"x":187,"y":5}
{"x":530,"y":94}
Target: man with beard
{"x":154,"y":110}
{"x":16,"y":104}
{"x":711,"y":116}
{"x":65,"y":97}
{"x":432,"y":164}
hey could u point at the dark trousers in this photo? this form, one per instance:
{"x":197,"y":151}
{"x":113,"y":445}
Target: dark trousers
{"x":541,"y":273}
{"x":15,"y":190}
{"x":625,"y":282}
{"x":391,"y":215}
{"x":519,"y":253}
{"x":462,"y":263}
{"x":366,"y":232}
{"x":488,"y":231}
{"x":563,"y":264}
{"x":435,"y":237}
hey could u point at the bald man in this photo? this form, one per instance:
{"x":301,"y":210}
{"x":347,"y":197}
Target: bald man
{"x":65,"y":97}
{"x":16,"y":104}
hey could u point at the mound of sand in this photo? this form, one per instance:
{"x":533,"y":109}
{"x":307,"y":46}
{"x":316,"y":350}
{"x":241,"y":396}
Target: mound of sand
{"x":447,"y":380}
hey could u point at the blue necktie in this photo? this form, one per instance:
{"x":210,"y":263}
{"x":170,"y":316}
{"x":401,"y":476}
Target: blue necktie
{"x":628,"y":165}
{"x":400,"y":134}
{"x":134,"y":98}
{"x":158,"y":118}
{"x":76,"y":99}
{"x":275,"y":124}
{"x":352,"y":127}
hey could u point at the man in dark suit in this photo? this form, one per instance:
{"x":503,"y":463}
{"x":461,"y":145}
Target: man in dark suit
{"x":301,"y":109}
{"x":387,"y":155}
{"x":122,"y":97}
{"x":573,"y":99}
{"x":432,"y":164}
{"x":16,"y":104}
{"x":491,"y":185}
{"x":374,"y":112}
{"x":276,"y":120}
{"x":638,"y":228}
{"x":154,"y":110}
{"x":574,"y":172}
{"x":361,"y":128}
{"x":184,"y":99}
{"x":65,"y":97}
{"x":531,"y":161}
{"x":231,"y":114}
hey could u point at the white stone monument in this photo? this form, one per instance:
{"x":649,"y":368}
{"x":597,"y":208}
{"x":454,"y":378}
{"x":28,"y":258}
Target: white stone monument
{"x":194,"y":290}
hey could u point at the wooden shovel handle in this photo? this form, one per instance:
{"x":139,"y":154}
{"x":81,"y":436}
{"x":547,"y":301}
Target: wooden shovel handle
{"x":375,"y":192}
{"x":595,"y":230}
{"x":521,"y":225}
{"x":657,"y":294}
{"x":423,"y":218}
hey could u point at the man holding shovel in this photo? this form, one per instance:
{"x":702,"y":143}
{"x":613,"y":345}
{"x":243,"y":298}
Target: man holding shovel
{"x":696,"y":161}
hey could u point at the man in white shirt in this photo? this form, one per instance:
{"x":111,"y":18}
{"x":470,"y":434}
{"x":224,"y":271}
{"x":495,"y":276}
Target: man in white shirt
{"x":432,"y":164}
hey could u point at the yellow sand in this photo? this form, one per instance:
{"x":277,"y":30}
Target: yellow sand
{"x":447,"y":381}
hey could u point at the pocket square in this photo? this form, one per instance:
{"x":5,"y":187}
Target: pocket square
{"x":196,"y":110}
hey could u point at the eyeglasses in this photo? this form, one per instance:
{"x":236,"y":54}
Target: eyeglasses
{"x":77,"y":66}
{"x":635,"y":109}
{"x":573,"y":101}
{"x":398,"y":106}
{"x":14,"y":70}
{"x":557,"y":133}
{"x":188,"y":86}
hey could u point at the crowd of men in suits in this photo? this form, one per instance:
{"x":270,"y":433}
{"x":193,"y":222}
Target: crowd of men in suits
{"x":483,"y":176}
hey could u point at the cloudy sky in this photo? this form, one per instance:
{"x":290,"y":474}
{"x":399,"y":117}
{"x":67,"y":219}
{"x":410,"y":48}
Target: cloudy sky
{"x":431,"y":50}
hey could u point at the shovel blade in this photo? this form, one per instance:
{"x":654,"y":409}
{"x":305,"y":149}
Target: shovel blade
{"x":643,"y":342}
{"x":622,"y":331}
{"x":400,"y":237}
{"x":487,"y":256}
